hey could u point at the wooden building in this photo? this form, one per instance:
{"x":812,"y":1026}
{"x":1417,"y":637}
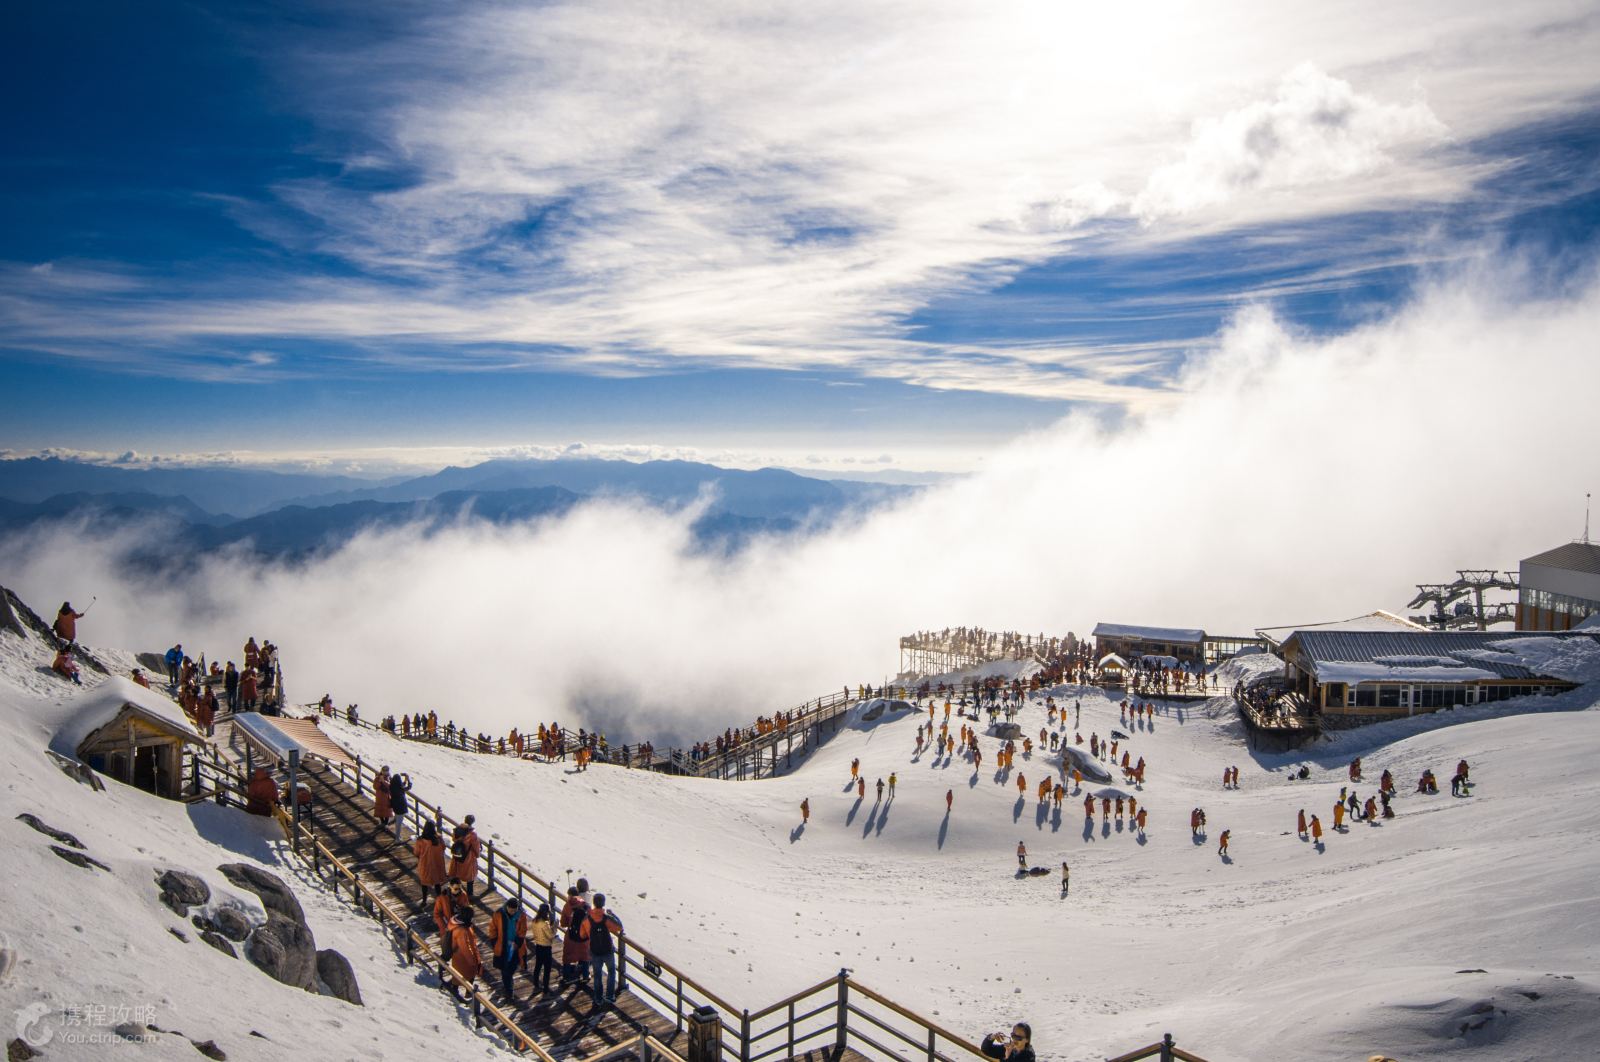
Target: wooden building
{"x":1359,"y":676}
{"x":131,"y":734}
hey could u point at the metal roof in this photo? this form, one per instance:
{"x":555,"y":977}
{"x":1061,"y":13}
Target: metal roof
{"x":1149,"y":634}
{"x":1327,"y":647}
{"x":1573,"y":557}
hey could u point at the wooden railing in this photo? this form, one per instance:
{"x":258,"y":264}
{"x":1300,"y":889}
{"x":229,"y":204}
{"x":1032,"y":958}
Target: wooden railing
{"x":731,"y":763}
{"x":216,"y":778}
{"x":790,"y":1023}
{"x":836,"y":1013}
{"x":1165,"y":1050}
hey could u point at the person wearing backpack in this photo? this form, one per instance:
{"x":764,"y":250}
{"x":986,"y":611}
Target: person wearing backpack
{"x":574,"y":948}
{"x":598,"y":928}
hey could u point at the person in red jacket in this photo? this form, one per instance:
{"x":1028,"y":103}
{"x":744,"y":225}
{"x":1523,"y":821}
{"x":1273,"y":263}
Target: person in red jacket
{"x":261,"y":794}
{"x":249,"y":685}
{"x":508,"y":941}
{"x":64,"y":666}
{"x":574,"y":950}
{"x":429,"y":851}
{"x":451,"y":899}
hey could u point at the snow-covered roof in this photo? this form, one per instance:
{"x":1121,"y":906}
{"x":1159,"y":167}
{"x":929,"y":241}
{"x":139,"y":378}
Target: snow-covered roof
{"x":1149,"y":634}
{"x":106,"y":701}
{"x":1372,"y":621}
{"x":1113,"y":660}
{"x":1443,"y":656}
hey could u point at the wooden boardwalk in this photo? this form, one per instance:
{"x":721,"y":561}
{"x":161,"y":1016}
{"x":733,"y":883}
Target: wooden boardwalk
{"x":564,"y":1021}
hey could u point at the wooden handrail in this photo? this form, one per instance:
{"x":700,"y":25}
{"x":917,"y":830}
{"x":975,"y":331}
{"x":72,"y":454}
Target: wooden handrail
{"x":829,"y":985}
{"x":959,"y":1041}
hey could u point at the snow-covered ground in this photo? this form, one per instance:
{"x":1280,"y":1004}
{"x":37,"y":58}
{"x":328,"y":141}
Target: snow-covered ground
{"x":91,"y":949}
{"x":1463,"y":927}
{"x":1374,"y":943}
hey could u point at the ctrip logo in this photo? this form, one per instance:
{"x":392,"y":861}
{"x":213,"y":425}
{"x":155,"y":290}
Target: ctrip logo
{"x":32,"y":1029}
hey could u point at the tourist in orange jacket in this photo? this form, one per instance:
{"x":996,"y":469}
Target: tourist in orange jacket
{"x":430,"y":859}
{"x":464,"y":958}
{"x":508,"y":941}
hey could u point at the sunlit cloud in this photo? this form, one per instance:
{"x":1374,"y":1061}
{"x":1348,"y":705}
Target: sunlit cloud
{"x":614,"y":189}
{"x":1295,"y":477}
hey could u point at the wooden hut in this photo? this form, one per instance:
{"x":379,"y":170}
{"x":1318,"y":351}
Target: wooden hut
{"x":132,"y":734}
{"x":1113,"y":670}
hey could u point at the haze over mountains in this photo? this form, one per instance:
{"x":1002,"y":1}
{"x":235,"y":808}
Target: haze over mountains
{"x":292,"y":514}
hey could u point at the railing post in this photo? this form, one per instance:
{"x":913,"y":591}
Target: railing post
{"x":744,"y":1037}
{"x":933,"y":1052}
{"x":841,"y":1021}
{"x":622,"y":962}
{"x":490,"y":862}
{"x":791,"y":1030}
{"x":677,"y":1009}
{"x":1166,"y":1048}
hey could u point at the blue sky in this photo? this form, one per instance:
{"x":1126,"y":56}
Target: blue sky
{"x":757,"y":232}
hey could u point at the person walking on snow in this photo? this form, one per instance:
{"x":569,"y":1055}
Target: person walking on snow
{"x":1022,"y":856}
{"x":805,"y":811}
{"x":949,"y":800}
{"x":861,"y":789}
{"x":1300,"y":823}
{"x":891,"y":785}
{"x":855,"y":768}
{"x":1066,"y":880}
{"x":1222,"y":848}
{"x":880,"y":790}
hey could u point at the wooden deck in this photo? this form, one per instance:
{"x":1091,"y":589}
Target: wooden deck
{"x":564,"y":1021}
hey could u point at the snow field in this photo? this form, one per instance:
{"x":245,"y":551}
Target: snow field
{"x":1283,"y":951}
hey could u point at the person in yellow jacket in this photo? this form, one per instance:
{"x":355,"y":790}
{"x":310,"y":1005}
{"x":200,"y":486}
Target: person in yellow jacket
{"x":542,"y":933}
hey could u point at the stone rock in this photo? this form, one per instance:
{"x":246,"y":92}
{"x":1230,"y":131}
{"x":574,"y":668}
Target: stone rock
{"x":274,"y":894}
{"x":18,"y":1051}
{"x":210,"y":1049}
{"x":218,"y":941}
{"x":185,"y":888}
{"x":50,"y":831}
{"x":78,"y":859}
{"x":232,"y":924}
{"x":335,"y":971}
{"x":178,"y":907}
{"x":285,"y":951}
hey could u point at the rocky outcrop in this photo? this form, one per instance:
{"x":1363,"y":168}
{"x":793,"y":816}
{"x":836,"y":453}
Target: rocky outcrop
{"x":274,"y":894}
{"x":286,"y":951}
{"x":335,"y":972}
{"x":50,"y":831}
{"x":181,"y":890}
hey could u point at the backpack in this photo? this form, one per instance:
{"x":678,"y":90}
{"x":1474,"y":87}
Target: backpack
{"x":574,"y":921}
{"x":458,"y":850}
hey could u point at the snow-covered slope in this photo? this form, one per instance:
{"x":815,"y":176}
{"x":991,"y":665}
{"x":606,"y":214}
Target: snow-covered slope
{"x":1461,"y":927}
{"x":90,"y":949}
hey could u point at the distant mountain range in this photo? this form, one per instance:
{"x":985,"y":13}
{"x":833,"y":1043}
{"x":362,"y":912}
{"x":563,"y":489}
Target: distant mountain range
{"x":290,"y":516}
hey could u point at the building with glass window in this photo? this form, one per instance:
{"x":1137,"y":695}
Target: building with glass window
{"x":1559,"y":588}
{"x":1352,"y":677}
